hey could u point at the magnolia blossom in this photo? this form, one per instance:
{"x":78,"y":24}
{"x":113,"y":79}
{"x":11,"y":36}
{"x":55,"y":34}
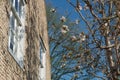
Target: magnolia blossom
{"x":106,"y":24}
{"x":77,"y":67}
{"x":64,"y":29}
{"x":82,"y":37}
{"x":77,"y":21}
{"x":114,"y":12}
{"x":86,"y":7}
{"x":79,"y":7}
{"x":52,"y":10}
{"x":73,"y":38}
{"x":63,"y":65}
{"x":63,"y":19}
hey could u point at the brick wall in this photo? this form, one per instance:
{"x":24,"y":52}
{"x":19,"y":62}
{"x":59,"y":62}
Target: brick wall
{"x":9,"y":69}
{"x":36,"y":26}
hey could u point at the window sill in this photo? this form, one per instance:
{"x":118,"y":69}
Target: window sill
{"x":11,"y":54}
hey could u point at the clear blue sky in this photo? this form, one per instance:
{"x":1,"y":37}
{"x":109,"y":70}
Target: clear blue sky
{"x":63,"y":8}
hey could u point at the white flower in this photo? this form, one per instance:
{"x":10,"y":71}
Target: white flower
{"x":63,"y":65}
{"x":82,"y":37}
{"x":73,"y":38}
{"x":79,"y":7}
{"x":106,"y":24}
{"x":77,"y":67}
{"x":64,"y":29}
{"x":114,"y":12}
{"x":86,"y":7}
{"x":52,"y":10}
{"x":77,"y":21}
{"x":63,"y":19}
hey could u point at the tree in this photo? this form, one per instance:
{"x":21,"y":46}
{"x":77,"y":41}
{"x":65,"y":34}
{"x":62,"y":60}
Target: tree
{"x":88,"y":54}
{"x":64,"y":46}
{"x":103,"y":23}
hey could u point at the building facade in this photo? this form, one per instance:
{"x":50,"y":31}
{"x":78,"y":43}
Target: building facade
{"x":24,"y":50}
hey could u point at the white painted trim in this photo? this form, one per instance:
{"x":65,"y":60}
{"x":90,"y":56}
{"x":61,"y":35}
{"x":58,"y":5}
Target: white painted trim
{"x":42,"y":71}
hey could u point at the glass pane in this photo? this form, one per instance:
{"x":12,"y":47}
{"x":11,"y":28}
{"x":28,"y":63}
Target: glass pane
{"x":16,"y":5}
{"x":19,"y":12}
{"x":21,"y":63}
{"x":11,"y":46}
{"x":11,"y":41}
{"x":12,"y":1}
{"x":12,"y":21}
{"x":42,"y":46}
{"x":41,"y":57}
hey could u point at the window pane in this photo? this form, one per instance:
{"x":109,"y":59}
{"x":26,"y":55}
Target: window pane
{"x":16,"y":5}
{"x":21,"y":63}
{"x":12,"y":22}
{"x":41,"y":57}
{"x":12,"y":1}
{"x":11,"y":46}
{"x":16,"y":38}
{"x":11,"y":41}
{"x":19,"y":12}
{"x":42,"y":52}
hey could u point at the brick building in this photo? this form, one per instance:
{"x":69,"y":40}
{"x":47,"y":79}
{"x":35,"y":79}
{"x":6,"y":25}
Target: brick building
{"x":24,"y":50}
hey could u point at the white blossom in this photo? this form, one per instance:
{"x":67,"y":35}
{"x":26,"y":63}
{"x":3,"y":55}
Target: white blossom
{"x":77,"y":21}
{"x":80,"y":7}
{"x":73,"y":38}
{"x":63,"y":19}
{"x":63,"y":65}
{"x":86,"y":7}
{"x":82,"y":37}
{"x":52,"y":10}
{"x":114,"y":12}
{"x":64,"y":29}
{"x":79,"y":67}
{"x":106,"y":24}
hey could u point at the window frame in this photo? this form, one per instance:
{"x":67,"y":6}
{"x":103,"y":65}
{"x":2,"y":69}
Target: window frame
{"x":14,"y":31}
{"x":42,"y":60}
{"x":42,"y":51}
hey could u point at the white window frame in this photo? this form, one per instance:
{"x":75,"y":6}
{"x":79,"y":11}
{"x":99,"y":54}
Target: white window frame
{"x":42,"y":71}
{"x":17,"y":31}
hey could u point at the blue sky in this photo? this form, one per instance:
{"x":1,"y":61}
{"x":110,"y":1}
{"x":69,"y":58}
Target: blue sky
{"x":63,"y":8}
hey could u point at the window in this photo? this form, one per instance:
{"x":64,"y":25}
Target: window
{"x":17,"y":30}
{"x":42,"y":53}
{"x":42,"y":60}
